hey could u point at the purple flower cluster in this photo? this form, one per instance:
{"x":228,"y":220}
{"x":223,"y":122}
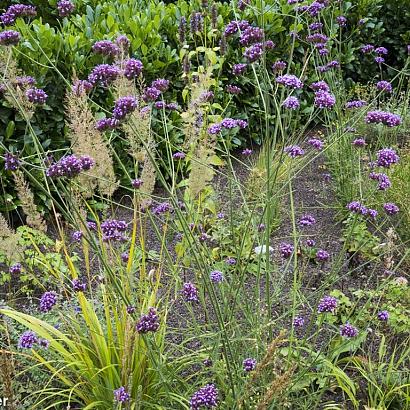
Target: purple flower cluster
{"x":356,"y":104}
{"x":123,"y":42}
{"x":77,"y":236}
{"x":357,"y":208}
{"x":151,"y":94}
{"x":291,"y":103}
{"x":162,"y":208}
{"x":347,"y":330}
{"x":103,"y":74}
{"x":27,"y":340}
{"x":328,"y":66}
{"x":323,"y":99}
{"x":206,"y":397}
{"x":81,"y":87}
{"x":316,"y":143}
{"x":382,"y":179}
{"x":17,"y":10}
{"x":121,"y":395}
{"x":233,"y":27}
{"x":216,"y":276}
{"x":327,"y":304}
{"x":160,"y":84}
{"x":298,"y":321}
{"x":322,"y":255}
{"x":148,"y":322}
{"x":105,"y":124}
{"x":11,"y":162}
{"x":383,"y":117}
{"x":286,"y":249}
{"x":383,"y":316}
{"x":189,"y":292}
{"x":249,"y":364}
{"x":48,"y":301}
{"x":69,"y":166}
{"x":294,"y":151}
{"x":384,"y":86}
{"x":320,"y":86}
{"x":278,"y":66}
{"x":251,"y":35}
{"x":78,"y":285}
{"x":65,"y":8}
{"x":9,"y":38}
{"x":113,"y":230}
{"x":359,"y":142}
{"x":233,"y":89}
{"x":230,"y":261}
{"x":124,"y":106}
{"x":255,"y":52}
{"x":132,"y":68}
{"x":387,"y":157}
{"x":390,"y":208}
{"x":15,"y":269}
{"x":367,"y":48}
{"x":239,"y":69}
{"x":137,"y":183}
{"x":290,"y":81}
{"x":227,"y":123}
{"x":247,"y":152}
{"x":307,"y":220}
{"x":36,"y":96}
{"x":106,"y":48}
{"x":341,"y":20}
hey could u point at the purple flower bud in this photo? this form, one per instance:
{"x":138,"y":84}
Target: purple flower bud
{"x":27,"y":340}
{"x":9,"y":38}
{"x":290,"y":81}
{"x":148,"y":322}
{"x":78,"y":285}
{"x":249,"y":364}
{"x":384,"y":86}
{"x":291,"y":103}
{"x":348,"y":331}
{"x":387,"y":157}
{"x":121,"y":395}
{"x":205,"y":397}
{"x":136,"y":183}
{"x":15,"y":269}
{"x":294,"y":151}
{"x":390,"y":208}
{"x":216,"y":276}
{"x":286,"y":250}
{"x":65,"y":8}
{"x":132,"y":68}
{"x":327,"y":304}
{"x":106,"y":48}
{"x":36,"y":96}
{"x":298,"y":321}
{"x":189,"y":292}
{"x":124,"y":106}
{"x":48,"y":301}
{"x":11,"y":162}
{"x":383,"y":316}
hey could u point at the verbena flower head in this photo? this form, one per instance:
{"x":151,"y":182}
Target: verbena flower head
{"x":251,"y":35}
{"x":161,"y":84}
{"x":189,"y":292}
{"x":36,"y":96}
{"x":48,"y":301}
{"x":65,"y":8}
{"x":15,"y":269}
{"x":348,"y":331}
{"x":137,"y":183}
{"x":307,"y":220}
{"x":121,"y":395}
{"x":103,"y":74}
{"x":69,"y":166}
{"x":44,"y":343}
{"x":230,"y":261}
{"x":316,"y":26}
{"x":316,"y":143}
{"x":11,"y":162}
{"x":14,"y":11}
{"x":162,"y":208}
{"x":323,"y":99}
{"x":81,"y":87}
{"x":278,"y":66}
{"x":290,"y":81}
{"x":381,"y":50}
{"x":383,"y":316}
{"x":27,"y":340}
{"x":239,"y":69}
{"x":382,"y":179}
{"x":372,"y":213}
{"x":148,"y":322}
{"x":286,"y":249}
{"x":124,"y":106}
{"x":106,"y":48}
{"x":359,"y":142}
{"x":233,"y":27}
{"x":384,"y":86}
{"x":327,"y":304}
{"x":123,"y":42}
{"x":249,"y":364}
{"x":214,"y":129}
{"x":233,"y":89}
{"x":77,"y":236}
{"x":216,"y":276}
{"x":291,"y":103}
{"x":357,"y":207}
{"x":9,"y":38}
{"x":247,"y":152}
{"x":387,"y":157}
{"x":320,"y":86}
{"x":310,"y":243}
{"x":390,"y":208}
{"x":105,"y":124}
{"x":383,"y":117}
{"x":294,"y":151}
{"x":356,"y":104}
{"x":341,"y":20}
{"x":151,"y":94}
{"x":205,"y":398}
{"x":133,"y":68}
{"x":78,"y":285}
{"x":298,"y":321}
{"x":322,"y":255}
{"x":367,"y":48}
{"x":379,"y":60}
{"x":113,"y":230}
